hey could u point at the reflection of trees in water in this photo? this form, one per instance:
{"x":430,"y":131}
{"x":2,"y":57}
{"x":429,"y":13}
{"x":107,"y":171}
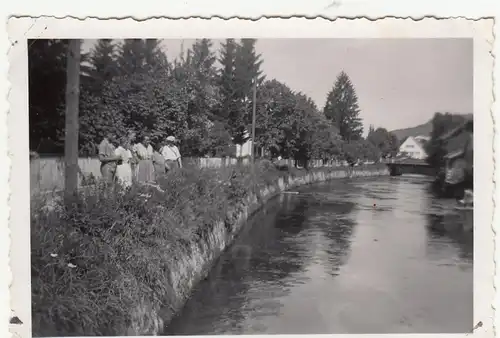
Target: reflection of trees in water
{"x":279,"y":253}
{"x":265,"y":253}
{"x":337,"y":227}
{"x":445,"y":224}
{"x":455,"y":226}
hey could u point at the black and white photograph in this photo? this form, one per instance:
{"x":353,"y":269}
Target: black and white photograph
{"x":246,"y":185}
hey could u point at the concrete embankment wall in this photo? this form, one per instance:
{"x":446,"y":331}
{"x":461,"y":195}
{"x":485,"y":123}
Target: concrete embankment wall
{"x":194,"y":264}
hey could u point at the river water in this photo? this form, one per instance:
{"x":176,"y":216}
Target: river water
{"x":375,"y":255}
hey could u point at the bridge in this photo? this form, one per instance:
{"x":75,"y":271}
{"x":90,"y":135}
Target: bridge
{"x":410,"y":166}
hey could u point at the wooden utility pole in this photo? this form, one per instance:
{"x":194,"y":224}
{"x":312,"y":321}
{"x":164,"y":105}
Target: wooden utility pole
{"x":254,"y":101}
{"x":71,"y":130}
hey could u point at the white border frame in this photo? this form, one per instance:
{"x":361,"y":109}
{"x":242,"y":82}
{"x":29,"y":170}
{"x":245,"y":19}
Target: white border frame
{"x":22,"y":29}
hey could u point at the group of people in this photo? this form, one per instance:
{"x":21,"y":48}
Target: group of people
{"x":124,"y":161}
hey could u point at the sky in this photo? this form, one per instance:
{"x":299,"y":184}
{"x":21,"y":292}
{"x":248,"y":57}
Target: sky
{"x":400,"y":83}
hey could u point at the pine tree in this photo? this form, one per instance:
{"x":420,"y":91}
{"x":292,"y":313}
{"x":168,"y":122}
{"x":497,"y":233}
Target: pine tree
{"x":342,"y":109}
{"x":247,"y":68}
{"x":131,"y":56}
{"x":229,"y":110}
{"x":103,"y":65}
{"x":154,"y":58}
{"x":46,"y":81}
{"x":196,"y":72}
{"x":203,"y":59}
{"x":240,"y":66}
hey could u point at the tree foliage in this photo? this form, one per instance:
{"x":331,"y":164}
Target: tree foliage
{"x":342,"y":109}
{"x":436,"y":149}
{"x":240,"y":68}
{"x":386,"y":142}
{"x":206,"y":104}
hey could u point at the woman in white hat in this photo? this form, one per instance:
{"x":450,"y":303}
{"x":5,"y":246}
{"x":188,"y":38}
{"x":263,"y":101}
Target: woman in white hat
{"x":171,"y":154}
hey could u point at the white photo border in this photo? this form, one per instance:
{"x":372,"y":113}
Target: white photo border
{"x":21,"y":29}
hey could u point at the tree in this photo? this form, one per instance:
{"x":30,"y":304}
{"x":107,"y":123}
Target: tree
{"x":371,"y":129}
{"x":230,"y":106}
{"x":203,"y":61}
{"x":436,"y":149}
{"x":103,"y":64}
{"x":247,"y":68}
{"x":155,"y":59}
{"x":131,"y":56}
{"x":96,"y":120}
{"x":342,"y":109}
{"x":240,"y":66}
{"x":275,"y":101}
{"x":360,"y":150}
{"x":386,"y":142}
{"x":326,"y":140}
{"x":71,"y":128}
{"x":141,"y":56}
{"x":46,"y":90}
{"x":299,"y":129}
{"x":218,"y":142}
{"x":196,"y":73}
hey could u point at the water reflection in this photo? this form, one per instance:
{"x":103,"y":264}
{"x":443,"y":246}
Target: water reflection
{"x":349,"y":256}
{"x":251,"y":276}
{"x":450,"y":228}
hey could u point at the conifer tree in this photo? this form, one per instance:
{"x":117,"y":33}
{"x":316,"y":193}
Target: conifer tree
{"x":247,"y":67}
{"x":203,"y":60}
{"x":241,"y":65}
{"x":230,"y":103}
{"x":103,"y":65}
{"x":342,"y":109}
{"x":131,"y":56}
{"x":47,"y":84}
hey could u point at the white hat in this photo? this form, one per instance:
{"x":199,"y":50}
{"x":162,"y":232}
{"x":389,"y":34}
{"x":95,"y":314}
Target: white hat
{"x":171,"y":139}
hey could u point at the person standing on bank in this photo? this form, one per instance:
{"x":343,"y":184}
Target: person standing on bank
{"x":171,"y":154}
{"x":108,"y":158}
{"x":124,"y":169}
{"x":158,"y":162}
{"x":144,"y":153}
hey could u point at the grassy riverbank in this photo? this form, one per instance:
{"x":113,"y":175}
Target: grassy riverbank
{"x":95,"y":262}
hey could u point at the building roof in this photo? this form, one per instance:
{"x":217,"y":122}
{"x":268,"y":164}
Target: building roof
{"x":422,"y":137}
{"x":419,"y":142}
{"x":453,"y":154}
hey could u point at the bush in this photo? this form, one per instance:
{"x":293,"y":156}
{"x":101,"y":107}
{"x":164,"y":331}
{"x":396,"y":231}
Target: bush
{"x":98,"y":258}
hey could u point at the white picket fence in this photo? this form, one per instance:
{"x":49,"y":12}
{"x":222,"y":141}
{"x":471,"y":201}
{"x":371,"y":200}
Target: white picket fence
{"x":47,"y":174}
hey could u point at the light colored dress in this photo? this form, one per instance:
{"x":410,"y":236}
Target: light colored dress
{"x":124,"y":170}
{"x":145,"y":170}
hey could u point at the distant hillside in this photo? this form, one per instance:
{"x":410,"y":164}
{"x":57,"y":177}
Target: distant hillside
{"x":422,"y":129}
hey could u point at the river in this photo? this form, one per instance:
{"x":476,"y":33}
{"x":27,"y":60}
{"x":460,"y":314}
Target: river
{"x":374,"y":255}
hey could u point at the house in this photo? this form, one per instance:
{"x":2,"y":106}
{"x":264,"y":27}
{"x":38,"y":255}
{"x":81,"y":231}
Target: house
{"x":413,"y":147}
